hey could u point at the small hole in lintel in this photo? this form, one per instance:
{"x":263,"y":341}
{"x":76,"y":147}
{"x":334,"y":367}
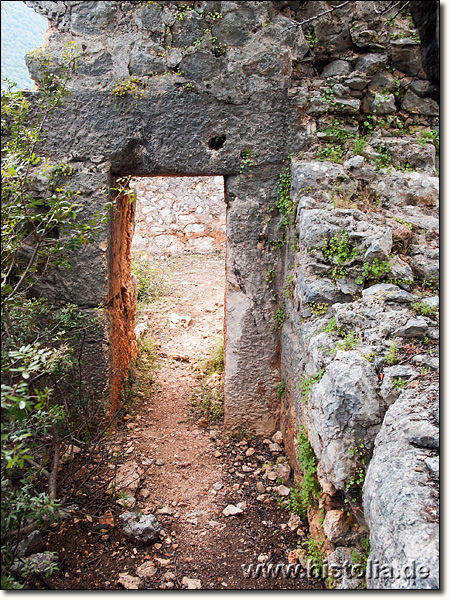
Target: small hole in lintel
{"x":217,"y":142}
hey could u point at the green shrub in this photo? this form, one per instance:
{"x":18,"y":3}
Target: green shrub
{"x":152,"y":279}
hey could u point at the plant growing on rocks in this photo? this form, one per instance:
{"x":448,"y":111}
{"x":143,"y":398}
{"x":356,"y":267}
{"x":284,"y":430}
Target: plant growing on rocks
{"x":353,"y":487}
{"x":133,"y":86}
{"x":339,"y":253}
{"x":349,"y":341}
{"x":280,"y":316}
{"x":304,"y":497}
{"x":311,"y":38}
{"x":307,"y":382}
{"x":247,"y":161}
{"x":318,"y":308}
{"x":331,"y":326}
{"x":374,"y":271}
{"x":284,"y":202}
{"x":392,"y":355}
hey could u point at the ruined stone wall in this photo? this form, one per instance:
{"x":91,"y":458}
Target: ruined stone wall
{"x":345,"y":95}
{"x":177,"y":214}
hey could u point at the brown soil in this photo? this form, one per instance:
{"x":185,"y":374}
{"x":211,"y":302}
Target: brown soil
{"x":180,"y":460}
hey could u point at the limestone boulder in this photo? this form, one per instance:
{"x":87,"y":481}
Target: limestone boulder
{"x":400,"y":502}
{"x":140,"y":529}
{"x":344,"y":410}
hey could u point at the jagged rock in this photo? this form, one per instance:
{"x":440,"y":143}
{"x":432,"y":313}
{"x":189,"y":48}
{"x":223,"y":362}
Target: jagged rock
{"x":370,"y":64}
{"x":397,"y":497}
{"x":401,"y":371}
{"x":294,"y":522}
{"x":277,"y":437}
{"x":432,"y":464}
{"x":337,"y":67}
{"x":336,"y":526}
{"x":165,"y":510}
{"x":379,"y":103}
{"x":424,"y":435}
{"x":425,"y":262}
{"x":432,"y":301}
{"x":415,"y":104}
{"x":400,"y":269}
{"x":127,"y":478}
{"x":32,"y":544}
{"x":344,"y":407}
{"x":260,"y":488}
{"x":356,"y":162}
{"x":380,"y":248}
{"x":142,"y":529}
{"x":339,"y":561}
{"x":282,"y":490}
{"x":275,"y":448}
{"x":388,"y":292}
{"x":414,"y":189}
{"x":283,"y":470}
{"x":413,"y":328}
{"x":41,"y":563}
{"x":427,"y":361}
{"x":232,"y":510}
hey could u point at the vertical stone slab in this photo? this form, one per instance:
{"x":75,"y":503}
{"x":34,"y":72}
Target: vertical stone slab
{"x":252,"y":355}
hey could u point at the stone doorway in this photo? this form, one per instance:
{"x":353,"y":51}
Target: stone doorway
{"x":178,"y":262}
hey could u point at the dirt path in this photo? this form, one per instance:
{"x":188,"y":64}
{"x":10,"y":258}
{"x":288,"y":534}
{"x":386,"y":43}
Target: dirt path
{"x":189,"y":472}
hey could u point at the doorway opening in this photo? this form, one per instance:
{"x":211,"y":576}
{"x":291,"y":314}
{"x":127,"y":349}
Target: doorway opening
{"x":178,"y":266}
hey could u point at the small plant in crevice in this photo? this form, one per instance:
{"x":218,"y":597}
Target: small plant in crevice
{"x":349,"y":342}
{"x":339,"y":253}
{"x":281,"y":389}
{"x":331,"y":326}
{"x":318,"y":308}
{"x":133,"y":86}
{"x":398,"y":383}
{"x":391,"y":357}
{"x":424,"y":309}
{"x":284,"y":202}
{"x":270,"y":276}
{"x":328,"y":96}
{"x":383,"y":160}
{"x":187,"y":87}
{"x":280,"y":316}
{"x":430,"y":136}
{"x":315,"y":556}
{"x":307,"y":382}
{"x":374,"y":271}
{"x":359,"y":561}
{"x":306,"y":495}
{"x":311,"y":38}
{"x":247,"y":161}
{"x":332,"y":153}
{"x":354,"y":484}
{"x":59,"y":170}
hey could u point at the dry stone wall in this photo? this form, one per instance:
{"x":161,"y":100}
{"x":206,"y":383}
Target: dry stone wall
{"x":319,"y":290}
{"x":177,"y":214}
